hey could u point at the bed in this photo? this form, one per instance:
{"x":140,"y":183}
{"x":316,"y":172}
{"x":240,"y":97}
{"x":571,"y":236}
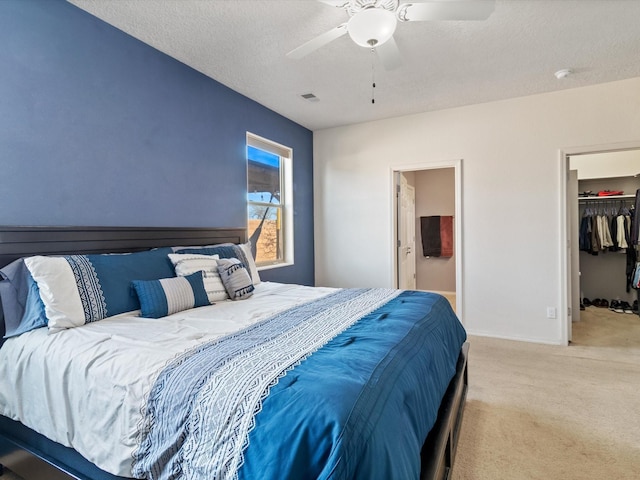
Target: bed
{"x":281,"y":437}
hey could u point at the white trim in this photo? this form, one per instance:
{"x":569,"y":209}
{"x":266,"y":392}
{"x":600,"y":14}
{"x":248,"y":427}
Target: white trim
{"x":564,"y":154}
{"x":286,"y":202}
{"x":563,"y":314}
{"x":275,"y":265}
{"x":457,"y":168}
{"x":480,"y":333}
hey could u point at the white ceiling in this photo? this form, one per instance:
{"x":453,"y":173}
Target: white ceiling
{"x":243,"y":43}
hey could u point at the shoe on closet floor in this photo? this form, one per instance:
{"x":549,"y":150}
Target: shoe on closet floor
{"x":604,"y":303}
{"x":586,"y":302}
{"x":616,"y":306}
{"x":634,"y":307}
{"x":626,"y":307}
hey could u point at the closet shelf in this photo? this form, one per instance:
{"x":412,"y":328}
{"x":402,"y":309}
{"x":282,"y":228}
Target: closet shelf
{"x":610,"y":197}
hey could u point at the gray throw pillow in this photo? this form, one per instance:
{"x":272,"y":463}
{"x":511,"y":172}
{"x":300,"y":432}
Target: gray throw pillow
{"x":235,"y":278}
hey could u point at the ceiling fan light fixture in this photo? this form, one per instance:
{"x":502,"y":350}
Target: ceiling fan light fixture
{"x":372,"y":27}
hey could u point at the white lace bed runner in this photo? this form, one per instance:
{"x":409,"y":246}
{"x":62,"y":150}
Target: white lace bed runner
{"x":202,"y":406}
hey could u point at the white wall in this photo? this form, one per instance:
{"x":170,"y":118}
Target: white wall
{"x":609,"y":164}
{"x":511,"y":196}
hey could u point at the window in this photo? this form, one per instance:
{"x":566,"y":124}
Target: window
{"x":269,"y":206}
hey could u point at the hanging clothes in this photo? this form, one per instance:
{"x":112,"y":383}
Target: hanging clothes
{"x":634,"y":222}
{"x":605,"y":232}
{"x":621,"y":237}
{"x":595,"y":236}
{"x":584,"y":235}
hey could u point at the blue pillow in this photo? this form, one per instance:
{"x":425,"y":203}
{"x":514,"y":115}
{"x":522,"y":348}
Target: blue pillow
{"x":159,"y":298}
{"x":77,"y":289}
{"x":22,"y":309}
{"x":14,"y":290}
{"x":34,"y":315}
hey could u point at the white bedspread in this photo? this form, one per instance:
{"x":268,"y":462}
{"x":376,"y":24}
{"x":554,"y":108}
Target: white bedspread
{"x":85,"y":387}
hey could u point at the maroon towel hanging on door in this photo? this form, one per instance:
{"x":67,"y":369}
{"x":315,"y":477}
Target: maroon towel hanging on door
{"x":446,"y":235}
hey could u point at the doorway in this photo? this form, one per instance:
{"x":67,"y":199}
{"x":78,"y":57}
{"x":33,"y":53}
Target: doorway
{"x":428,"y":190}
{"x":602,"y":272}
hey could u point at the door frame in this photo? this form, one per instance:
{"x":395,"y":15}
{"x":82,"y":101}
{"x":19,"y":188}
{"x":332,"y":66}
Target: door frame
{"x":565,"y":232}
{"x":457,"y":221}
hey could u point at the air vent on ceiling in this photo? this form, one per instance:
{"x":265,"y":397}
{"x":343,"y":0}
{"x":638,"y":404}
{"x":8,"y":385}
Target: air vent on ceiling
{"x":310,"y":96}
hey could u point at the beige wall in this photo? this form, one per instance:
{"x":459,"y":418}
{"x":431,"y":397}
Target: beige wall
{"x":512,"y":177}
{"x":435,"y":195}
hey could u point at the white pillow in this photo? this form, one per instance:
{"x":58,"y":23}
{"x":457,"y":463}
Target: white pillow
{"x":241,"y":251}
{"x":58,"y":291}
{"x":253,"y":270}
{"x":187,"y":263}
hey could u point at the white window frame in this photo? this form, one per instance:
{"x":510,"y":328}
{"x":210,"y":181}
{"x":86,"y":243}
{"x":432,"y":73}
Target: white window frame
{"x":286,"y":195}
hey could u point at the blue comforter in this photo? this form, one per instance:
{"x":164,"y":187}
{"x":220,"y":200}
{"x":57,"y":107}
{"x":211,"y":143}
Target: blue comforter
{"x":357,"y":404}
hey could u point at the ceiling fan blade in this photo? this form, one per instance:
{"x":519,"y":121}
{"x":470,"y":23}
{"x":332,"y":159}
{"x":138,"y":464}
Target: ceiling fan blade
{"x":446,"y":10}
{"x":389,"y":54}
{"x":319,"y":41}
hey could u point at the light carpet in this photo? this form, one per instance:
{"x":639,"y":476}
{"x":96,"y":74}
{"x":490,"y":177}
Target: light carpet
{"x":548,"y":412}
{"x":9,"y":475}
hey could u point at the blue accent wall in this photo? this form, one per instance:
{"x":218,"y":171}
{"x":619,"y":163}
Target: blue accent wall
{"x":98,"y":128}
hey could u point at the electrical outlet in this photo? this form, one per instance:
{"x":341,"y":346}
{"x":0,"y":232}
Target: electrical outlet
{"x":551,"y":312}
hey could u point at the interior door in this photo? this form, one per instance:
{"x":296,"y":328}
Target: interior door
{"x":406,"y":235}
{"x":573,"y":252}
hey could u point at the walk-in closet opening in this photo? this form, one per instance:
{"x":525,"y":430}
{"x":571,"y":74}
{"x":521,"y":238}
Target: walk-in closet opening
{"x":604,"y":229}
{"x":427,"y":230}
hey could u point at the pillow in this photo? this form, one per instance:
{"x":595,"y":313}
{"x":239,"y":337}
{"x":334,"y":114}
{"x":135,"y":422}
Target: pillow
{"x":2,"y":327}
{"x":228,"y":250}
{"x":34,"y":315}
{"x":14,"y":290}
{"x":159,"y":298}
{"x":186,"y":264}
{"x":22,"y":307}
{"x":78,"y":289}
{"x":235,"y":278}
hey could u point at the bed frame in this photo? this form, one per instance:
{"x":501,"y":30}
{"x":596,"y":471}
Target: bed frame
{"x":439,"y":449}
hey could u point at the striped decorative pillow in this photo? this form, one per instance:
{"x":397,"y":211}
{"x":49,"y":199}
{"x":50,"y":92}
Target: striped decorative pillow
{"x":159,"y":298}
{"x":227,"y":250}
{"x":78,"y":289}
{"x":186,"y":264}
{"x":236,"y":278}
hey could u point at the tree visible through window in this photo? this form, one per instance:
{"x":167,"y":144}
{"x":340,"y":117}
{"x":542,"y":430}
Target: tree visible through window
{"x":265,"y":201}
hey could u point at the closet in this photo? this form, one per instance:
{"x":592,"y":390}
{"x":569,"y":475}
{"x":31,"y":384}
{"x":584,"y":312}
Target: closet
{"x":606,"y":193}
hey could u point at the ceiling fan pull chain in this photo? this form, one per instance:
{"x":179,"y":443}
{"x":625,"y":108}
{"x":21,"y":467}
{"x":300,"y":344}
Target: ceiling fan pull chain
{"x":373,"y":76}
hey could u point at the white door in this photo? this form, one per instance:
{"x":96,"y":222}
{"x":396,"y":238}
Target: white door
{"x":573,"y":252}
{"x":406,"y":235}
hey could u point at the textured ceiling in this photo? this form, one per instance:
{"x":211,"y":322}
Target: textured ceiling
{"x":243,"y":44}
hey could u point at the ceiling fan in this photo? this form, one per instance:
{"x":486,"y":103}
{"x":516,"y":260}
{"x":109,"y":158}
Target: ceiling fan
{"x":372,"y":23}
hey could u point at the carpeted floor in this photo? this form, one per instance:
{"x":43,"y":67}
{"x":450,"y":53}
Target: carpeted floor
{"x":547,"y":412}
{"x":9,"y":475}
